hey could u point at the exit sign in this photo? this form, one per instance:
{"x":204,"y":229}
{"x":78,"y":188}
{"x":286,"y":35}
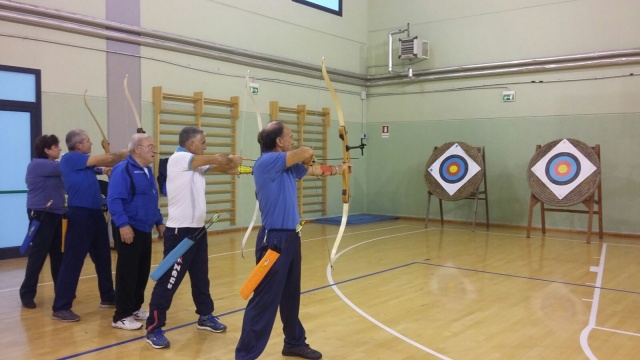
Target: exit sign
{"x":508,"y":96}
{"x":254,"y":88}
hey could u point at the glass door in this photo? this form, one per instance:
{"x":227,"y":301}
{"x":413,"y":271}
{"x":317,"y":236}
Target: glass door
{"x":20,"y":124}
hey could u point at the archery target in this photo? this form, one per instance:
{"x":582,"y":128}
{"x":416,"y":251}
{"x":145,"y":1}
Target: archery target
{"x":563,"y":168}
{"x":453,"y":169}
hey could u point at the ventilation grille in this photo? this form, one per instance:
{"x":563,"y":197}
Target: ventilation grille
{"x":413,"y":48}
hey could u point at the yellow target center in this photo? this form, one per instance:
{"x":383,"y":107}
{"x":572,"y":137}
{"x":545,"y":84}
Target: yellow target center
{"x":453,"y":169}
{"x":562,"y":169}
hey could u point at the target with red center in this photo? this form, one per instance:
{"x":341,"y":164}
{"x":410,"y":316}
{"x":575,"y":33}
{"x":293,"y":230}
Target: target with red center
{"x":453,"y":169}
{"x":563,"y":168}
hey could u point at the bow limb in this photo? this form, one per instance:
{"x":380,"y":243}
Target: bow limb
{"x":256,"y":109}
{"x":139,"y":130}
{"x":105,"y":143}
{"x":346,"y":158}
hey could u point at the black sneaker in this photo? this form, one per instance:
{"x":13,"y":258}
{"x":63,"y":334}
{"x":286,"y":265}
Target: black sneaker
{"x":305,"y":352}
{"x":108,"y":304}
{"x":65,"y":316}
{"x":28,"y":304}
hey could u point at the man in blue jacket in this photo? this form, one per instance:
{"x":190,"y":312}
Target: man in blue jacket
{"x":133,"y":203}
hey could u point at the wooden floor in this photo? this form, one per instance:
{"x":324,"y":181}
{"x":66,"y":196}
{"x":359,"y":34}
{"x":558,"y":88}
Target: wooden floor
{"x":399,"y":292}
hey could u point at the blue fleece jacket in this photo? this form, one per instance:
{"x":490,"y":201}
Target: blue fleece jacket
{"x":139,"y":210}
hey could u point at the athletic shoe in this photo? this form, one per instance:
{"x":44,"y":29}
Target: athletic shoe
{"x":140,"y":314}
{"x":28,"y":304}
{"x":157,"y":339}
{"x":108,"y":304}
{"x":305,"y":352}
{"x":65,"y":316}
{"x":127,"y":323}
{"x":211,"y":323}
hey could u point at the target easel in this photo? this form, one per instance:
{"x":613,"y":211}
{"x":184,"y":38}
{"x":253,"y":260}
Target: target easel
{"x":564,"y":173}
{"x":454,"y":172}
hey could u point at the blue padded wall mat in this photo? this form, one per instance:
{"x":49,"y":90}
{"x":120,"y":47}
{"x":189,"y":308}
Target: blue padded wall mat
{"x":355,"y":219}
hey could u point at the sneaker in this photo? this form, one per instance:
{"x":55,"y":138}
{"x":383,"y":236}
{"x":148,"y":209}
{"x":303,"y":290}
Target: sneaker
{"x":157,"y":339}
{"x":211,"y":323}
{"x":28,"y":304}
{"x":108,"y":304}
{"x":128,"y":323}
{"x":305,"y":352}
{"x":65,"y":316}
{"x":140,"y":315}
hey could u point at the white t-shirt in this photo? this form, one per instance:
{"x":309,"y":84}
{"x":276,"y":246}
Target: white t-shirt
{"x":185,"y":191}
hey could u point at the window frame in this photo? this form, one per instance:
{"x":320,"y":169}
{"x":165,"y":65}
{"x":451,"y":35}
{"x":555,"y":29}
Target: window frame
{"x":314,"y":5}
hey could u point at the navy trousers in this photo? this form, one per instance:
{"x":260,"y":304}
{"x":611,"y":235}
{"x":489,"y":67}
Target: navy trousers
{"x":47,"y":240}
{"x":279,"y":288}
{"x":194,"y":261}
{"x":86,"y":234}
{"x":132,"y":272}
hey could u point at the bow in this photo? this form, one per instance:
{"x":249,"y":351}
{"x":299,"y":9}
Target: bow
{"x":256,"y":109}
{"x":105,"y":143}
{"x":346,"y":158}
{"x":139,"y":130}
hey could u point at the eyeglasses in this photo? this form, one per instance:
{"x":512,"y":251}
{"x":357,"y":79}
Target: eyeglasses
{"x":150,"y":147}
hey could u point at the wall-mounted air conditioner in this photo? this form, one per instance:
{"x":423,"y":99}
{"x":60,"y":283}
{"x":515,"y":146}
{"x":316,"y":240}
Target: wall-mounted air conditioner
{"x":413,"y":48}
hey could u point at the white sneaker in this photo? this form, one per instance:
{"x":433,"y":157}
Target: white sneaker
{"x":140,"y":314}
{"x":128,"y":323}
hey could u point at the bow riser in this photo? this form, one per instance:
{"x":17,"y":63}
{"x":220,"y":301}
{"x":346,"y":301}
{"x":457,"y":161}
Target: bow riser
{"x":346,"y":193}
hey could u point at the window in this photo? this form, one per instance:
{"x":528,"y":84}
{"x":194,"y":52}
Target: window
{"x":330,"y":6}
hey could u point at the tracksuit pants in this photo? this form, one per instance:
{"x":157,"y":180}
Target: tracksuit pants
{"x":86,"y":234}
{"x":47,"y":240}
{"x":194,"y":261}
{"x":279,"y":288}
{"x":132,"y":272}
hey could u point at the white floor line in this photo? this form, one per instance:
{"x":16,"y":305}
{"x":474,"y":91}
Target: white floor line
{"x":617,"y":331}
{"x":367,"y":316}
{"x":584,"y":335}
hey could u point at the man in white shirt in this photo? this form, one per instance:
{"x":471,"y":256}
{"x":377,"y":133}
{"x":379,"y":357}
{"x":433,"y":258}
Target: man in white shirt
{"x":187,"y":211}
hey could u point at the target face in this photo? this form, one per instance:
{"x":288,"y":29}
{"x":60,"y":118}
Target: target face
{"x":563,"y":168}
{"x":453,"y":169}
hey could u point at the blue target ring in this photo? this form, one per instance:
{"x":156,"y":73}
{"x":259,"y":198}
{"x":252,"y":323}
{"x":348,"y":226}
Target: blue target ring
{"x":562,"y":168}
{"x":453,"y":169}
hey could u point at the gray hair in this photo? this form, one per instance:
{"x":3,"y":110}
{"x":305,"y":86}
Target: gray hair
{"x":187,"y":134}
{"x":136,"y":139}
{"x":74,"y":137}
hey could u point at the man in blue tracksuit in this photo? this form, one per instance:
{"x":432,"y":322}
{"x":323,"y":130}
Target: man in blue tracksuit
{"x":86,"y":230}
{"x":133,"y":203}
{"x":275,"y":174}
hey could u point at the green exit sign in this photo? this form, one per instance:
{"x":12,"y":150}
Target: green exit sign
{"x":508,"y":96}
{"x":255,"y":88}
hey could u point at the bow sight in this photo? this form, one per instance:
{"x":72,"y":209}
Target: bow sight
{"x":361,"y":146}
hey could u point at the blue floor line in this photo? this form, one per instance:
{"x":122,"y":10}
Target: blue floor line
{"x":532,"y":278}
{"x":424,"y":262}
{"x":228,"y":313}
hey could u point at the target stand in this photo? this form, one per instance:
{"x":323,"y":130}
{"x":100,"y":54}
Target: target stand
{"x":454,"y":172}
{"x":564,"y":173}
